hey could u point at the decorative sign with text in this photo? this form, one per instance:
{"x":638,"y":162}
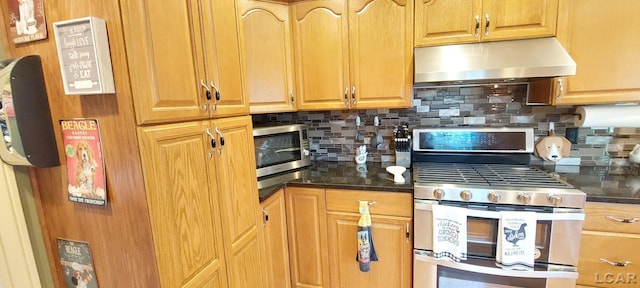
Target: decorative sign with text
{"x":26,"y":20}
{"x":83,"y":51}
{"x":85,"y":166}
{"x":77,"y":264}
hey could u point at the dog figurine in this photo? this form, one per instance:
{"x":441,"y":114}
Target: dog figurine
{"x":552,"y":148}
{"x":86,"y":167}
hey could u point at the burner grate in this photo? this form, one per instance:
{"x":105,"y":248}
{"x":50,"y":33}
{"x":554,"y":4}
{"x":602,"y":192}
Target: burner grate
{"x":486,"y":174}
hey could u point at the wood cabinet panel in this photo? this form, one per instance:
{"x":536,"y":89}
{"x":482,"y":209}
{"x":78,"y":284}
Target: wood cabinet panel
{"x":599,"y":246}
{"x":179,"y":50}
{"x":307,"y":224}
{"x":602,"y":39}
{"x":440,"y":22}
{"x":222,"y":48}
{"x":239,"y":204}
{"x":447,"y":21}
{"x":600,"y":217}
{"x":519,"y":19}
{"x":381,"y":53}
{"x":268,"y":56}
{"x":187,"y":233}
{"x":320,"y":30}
{"x":386,"y":203}
{"x":166,"y":59}
{"x":276,"y":242}
{"x":393,"y":248}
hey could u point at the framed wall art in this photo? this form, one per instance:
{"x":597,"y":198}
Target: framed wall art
{"x":26,"y":21}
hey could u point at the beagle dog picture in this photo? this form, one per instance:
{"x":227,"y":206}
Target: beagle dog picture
{"x":552,"y":148}
{"x":85,"y":167}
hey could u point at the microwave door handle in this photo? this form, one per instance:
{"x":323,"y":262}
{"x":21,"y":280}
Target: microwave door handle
{"x":287,"y":150}
{"x":419,"y":256}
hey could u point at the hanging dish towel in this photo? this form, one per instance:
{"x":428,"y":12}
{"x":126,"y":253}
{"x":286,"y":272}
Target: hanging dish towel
{"x":516,"y":240}
{"x":450,"y":233}
{"x":366,"y":251}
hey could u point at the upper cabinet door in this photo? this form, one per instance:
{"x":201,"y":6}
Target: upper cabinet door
{"x":508,"y":19}
{"x":166,"y":60}
{"x":381,"y":53}
{"x":602,"y":37}
{"x":320,"y":31}
{"x":268,"y":56}
{"x":440,"y":22}
{"x":447,"y":21}
{"x":222,"y":48}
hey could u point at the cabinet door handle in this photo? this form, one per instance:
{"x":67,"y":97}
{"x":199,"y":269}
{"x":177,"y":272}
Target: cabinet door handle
{"x":353,"y":95}
{"x":213,"y":85}
{"x":265,"y":219}
{"x":617,"y":264}
{"x":291,"y":95}
{"x":207,"y":94}
{"x":560,"y":88}
{"x":622,"y":220}
{"x":221,"y":140}
{"x":346,"y":96}
{"x":408,"y":232}
{"x":477,"y":32}
{"x":487,"y":23}
{"x":213,"y":138}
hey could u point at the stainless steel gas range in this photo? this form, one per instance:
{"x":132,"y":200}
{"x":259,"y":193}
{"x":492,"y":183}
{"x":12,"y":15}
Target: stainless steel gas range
{"x":486,"y":171}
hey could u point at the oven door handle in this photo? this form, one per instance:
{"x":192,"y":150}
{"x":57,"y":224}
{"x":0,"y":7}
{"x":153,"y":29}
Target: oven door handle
{"x":420,"y":256}
{"x":426,"y":205}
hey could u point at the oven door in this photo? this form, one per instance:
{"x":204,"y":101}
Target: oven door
{"x":478,"y":273}
{"x":558,"y":230}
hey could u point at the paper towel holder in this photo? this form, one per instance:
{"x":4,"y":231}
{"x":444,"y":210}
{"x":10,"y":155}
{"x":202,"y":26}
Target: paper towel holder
{"x":25,"y":118}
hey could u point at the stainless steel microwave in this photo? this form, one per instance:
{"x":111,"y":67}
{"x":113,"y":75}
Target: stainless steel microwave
{"x":281,"y":148}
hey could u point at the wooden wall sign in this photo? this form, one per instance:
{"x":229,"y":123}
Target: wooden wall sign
{"x":83,"y":51}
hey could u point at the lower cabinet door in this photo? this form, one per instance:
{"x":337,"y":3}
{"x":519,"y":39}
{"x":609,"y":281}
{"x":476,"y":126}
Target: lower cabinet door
{"x":393,"y":246}
{"x":276,"y":243}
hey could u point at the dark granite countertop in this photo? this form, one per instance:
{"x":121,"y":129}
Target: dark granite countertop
{"x":344,"y":175}
{"x":602,"y":184}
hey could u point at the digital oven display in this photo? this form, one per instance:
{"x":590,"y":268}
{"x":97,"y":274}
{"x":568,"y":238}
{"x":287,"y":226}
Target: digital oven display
{"x":472,"y":141}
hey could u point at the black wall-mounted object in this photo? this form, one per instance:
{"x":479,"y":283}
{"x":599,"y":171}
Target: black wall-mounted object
{"x":25,"y":118}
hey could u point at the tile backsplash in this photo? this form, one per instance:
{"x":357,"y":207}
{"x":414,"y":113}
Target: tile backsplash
{"x":333,"y":133}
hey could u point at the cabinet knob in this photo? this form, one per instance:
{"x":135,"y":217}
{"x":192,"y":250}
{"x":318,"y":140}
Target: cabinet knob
{"x":560,"y":88}
{"x":353,"y":95}
{"x":622,"y":220}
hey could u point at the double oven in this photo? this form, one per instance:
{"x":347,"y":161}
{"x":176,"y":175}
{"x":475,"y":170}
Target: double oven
{"x":486,"y":171}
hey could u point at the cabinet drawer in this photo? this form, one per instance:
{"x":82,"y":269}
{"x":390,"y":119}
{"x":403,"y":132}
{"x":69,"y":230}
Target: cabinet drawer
{"x":614,"y":247}
{"x":386,"y":203}
{"x":612,"y":217}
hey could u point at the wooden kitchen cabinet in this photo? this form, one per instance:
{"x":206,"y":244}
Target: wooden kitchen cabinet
{"x":353,"y":54}
{"x":391,"y":232}
{"x":276,"y":241}
{"x":267,"y":56}
{"x":204,"y":218}
{"x":611,"y":234}
{"x":602,"y":38}
{"x":179,"y":50}
{"x":307,"y":228}
{"x":440,"y":22}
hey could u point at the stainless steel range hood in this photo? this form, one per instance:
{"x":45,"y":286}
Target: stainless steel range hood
{"x":530,"y":58}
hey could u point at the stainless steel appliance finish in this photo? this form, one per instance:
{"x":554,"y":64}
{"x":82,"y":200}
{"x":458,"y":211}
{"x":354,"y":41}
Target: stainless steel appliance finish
{"x":485,"y":171}
{"x":281,"y":148}
{"x":529,"y":58}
